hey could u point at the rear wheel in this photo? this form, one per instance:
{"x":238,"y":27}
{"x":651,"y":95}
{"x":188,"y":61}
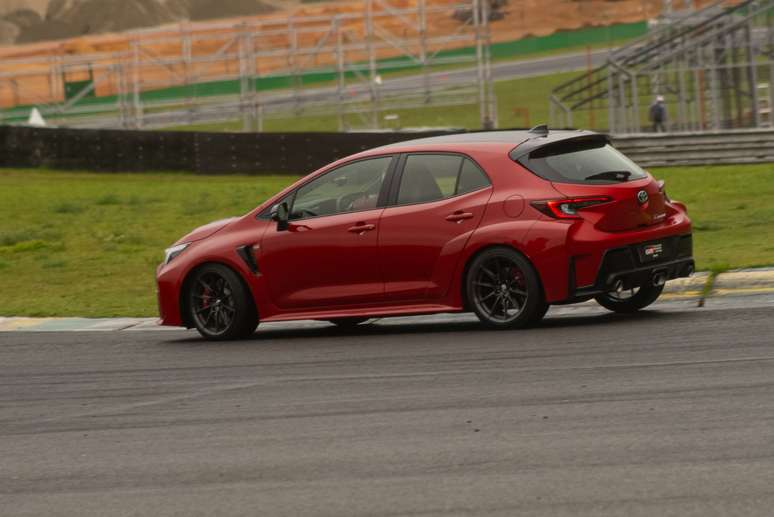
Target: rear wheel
{"x":220,"y":304}
{"x":630,"y":300}
{"x":503,"y":290}
{"x":348,"y":323}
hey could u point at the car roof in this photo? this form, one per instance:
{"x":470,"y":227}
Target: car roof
{"x":521,"y":140}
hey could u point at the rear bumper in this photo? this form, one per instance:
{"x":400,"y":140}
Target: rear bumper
{"x":625,"y":268}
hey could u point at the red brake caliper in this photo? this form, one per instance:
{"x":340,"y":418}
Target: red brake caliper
{"x":518,"y":278}
{"x":206,"y":297}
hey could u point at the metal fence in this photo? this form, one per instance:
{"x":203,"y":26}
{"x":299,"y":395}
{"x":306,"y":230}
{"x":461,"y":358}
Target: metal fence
{"x":714,"y":68}
{"x":700,"y":148}
{"x":212,"y":72}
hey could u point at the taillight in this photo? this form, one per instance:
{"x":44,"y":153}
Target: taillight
{"x":568,"y":208}
{"x":662,"y":189}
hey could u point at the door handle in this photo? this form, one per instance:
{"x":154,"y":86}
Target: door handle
{"x":459,"y":216}
{"x":361,"y":228}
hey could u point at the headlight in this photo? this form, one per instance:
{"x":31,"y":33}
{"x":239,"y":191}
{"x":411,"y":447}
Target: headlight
{"x":174,"y":251}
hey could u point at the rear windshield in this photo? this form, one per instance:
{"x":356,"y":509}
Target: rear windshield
{"x":582,"y":161}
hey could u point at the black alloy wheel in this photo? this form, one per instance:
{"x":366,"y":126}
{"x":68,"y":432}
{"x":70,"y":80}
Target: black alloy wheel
{"x":221,"y":306}
{"x":503,"y":289}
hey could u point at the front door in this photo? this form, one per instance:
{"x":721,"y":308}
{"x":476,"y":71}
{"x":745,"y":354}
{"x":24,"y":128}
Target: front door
{"x":328,"y":256}
{"x":439,"y":202}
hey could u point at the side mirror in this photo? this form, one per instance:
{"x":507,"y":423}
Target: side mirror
{"x":280,"y":214}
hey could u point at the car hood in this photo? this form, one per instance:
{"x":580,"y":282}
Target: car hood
{"x":207,"y":230}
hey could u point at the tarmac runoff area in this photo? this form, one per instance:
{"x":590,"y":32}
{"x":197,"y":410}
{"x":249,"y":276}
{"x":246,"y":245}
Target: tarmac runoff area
{"x":699,"y":289}
{"x":667,"y":411}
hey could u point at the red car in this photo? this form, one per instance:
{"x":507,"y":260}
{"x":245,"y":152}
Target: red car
{"x":502,"y":224}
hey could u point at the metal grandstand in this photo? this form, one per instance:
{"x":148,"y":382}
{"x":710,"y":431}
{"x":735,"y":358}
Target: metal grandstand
{"x":303,"y":66}
{"x":714,"y":67}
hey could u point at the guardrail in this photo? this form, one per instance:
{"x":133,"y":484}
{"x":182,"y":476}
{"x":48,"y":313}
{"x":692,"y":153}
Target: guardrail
{"x":731,"y":147}
{"x":299,"y":153}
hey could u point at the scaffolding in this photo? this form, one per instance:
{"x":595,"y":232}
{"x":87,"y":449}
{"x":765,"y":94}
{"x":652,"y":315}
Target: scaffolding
{"x":346,"y":66}
{"x":712,"y":66}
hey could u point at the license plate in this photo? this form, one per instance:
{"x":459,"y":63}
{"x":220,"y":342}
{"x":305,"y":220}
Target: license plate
{"x":652,"y":251}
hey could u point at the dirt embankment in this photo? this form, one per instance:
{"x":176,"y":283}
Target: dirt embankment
{"x":27,"y":21}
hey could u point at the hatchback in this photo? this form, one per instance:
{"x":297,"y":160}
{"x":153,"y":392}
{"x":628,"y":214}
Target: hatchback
{"x":501,"y":224}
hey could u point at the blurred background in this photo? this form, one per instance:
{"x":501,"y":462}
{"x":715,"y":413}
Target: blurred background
{"x":298,"y":66}
{"x":125,"y":123}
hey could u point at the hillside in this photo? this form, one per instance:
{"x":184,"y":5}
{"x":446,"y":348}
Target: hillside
{"x":26,"y":21}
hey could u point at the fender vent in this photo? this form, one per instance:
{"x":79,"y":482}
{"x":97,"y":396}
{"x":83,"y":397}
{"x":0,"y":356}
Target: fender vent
{"x":248,"y":256}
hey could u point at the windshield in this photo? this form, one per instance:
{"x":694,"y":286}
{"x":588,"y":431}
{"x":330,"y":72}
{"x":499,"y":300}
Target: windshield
{"x":582,"y":161}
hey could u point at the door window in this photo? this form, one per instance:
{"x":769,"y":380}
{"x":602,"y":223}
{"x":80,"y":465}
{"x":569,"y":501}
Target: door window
{"x":349,"y":188}
{"x":471,"y":178}
{"x":430,"y":177}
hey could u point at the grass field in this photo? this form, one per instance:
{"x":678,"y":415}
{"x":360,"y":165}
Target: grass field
{"x":83,"y":244}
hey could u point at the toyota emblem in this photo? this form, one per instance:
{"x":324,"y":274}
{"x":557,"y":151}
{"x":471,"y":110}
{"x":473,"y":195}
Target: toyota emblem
{"x":642,"y":197}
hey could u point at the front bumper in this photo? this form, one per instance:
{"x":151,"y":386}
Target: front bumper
{"x":627,"y":266}
{"x":168,"y":280}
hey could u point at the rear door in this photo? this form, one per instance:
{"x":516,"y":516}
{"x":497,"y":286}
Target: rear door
{"x":437,"y":200}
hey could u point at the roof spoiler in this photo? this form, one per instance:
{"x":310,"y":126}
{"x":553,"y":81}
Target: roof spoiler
{"x":556,"y":139}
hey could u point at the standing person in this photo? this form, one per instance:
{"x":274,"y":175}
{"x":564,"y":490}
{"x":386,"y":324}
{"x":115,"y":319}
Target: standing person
{"x":658,"y":114}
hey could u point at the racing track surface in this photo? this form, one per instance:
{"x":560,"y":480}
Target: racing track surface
{"x":666,"y":412}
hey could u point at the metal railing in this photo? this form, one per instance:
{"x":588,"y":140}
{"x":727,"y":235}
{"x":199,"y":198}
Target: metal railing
{"x":711,"y":68}
{"x":701,"y":148}
{"x":200,"y":71}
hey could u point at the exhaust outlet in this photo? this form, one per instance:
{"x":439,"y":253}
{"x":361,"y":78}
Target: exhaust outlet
{"x":618,"y":286}
{"x":659,"y":279}
{"x":688,"y":271}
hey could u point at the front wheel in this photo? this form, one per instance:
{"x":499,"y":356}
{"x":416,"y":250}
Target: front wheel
{"x":220,"y":304}
{"x":503,"y":290}
{"x":630,"y":300}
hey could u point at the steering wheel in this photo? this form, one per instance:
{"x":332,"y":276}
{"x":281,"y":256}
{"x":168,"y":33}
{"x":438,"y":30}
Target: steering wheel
{"x":305,"y":212}
{"x":347,"y":201}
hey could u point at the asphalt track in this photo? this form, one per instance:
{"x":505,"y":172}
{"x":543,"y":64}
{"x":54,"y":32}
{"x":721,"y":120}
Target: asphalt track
{"x":667,"y":412}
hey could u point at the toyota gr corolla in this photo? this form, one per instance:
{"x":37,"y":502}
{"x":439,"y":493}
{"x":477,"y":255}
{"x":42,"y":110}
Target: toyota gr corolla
{"x":502,"y":224}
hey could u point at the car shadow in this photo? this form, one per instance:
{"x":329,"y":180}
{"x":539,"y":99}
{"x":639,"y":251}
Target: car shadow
{"x":383,"y":327}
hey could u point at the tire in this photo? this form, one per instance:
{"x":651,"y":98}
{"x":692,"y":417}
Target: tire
{"x":220,"y":305}
{"x":348,"y":323}
{"x":503,"y":290}
{"x":539,"y":315}
{"x":644,"y":296}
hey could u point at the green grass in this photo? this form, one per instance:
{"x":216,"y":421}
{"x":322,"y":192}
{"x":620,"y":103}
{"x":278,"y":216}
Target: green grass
{"x":733,"y":223}
{"x":87,"y":244}
{"x":84,"y":244}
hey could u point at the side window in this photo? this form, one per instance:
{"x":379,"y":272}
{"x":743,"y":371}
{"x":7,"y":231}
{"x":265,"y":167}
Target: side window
{"x":349,"y":188}
{"x":430,"y":177}
{"x":471,"y":178}
{"x":266,"y":214}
